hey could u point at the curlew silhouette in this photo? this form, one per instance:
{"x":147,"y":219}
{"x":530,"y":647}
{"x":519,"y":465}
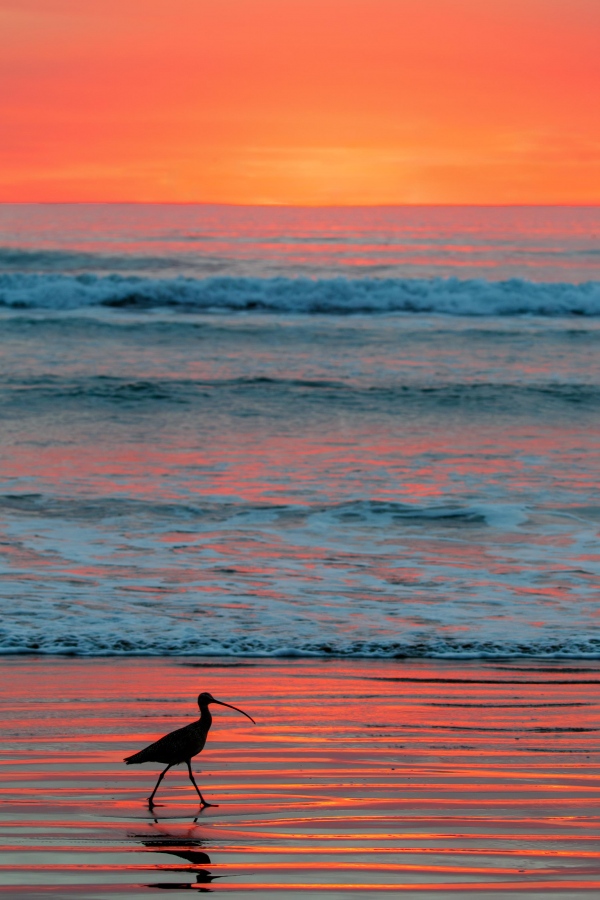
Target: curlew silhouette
{"x":181,"y":745}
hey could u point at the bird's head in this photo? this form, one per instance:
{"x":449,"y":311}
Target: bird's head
{"x":205,"y":698}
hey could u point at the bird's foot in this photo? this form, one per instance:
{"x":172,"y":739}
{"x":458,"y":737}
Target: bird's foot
{"x":204,"y":804}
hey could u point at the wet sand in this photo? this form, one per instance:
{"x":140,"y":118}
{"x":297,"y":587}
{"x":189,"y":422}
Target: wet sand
{"x":426,"y":778}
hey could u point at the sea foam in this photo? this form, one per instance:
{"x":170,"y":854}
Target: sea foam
{"x":341,"y":296}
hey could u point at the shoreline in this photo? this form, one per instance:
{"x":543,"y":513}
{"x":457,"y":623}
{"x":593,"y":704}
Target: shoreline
{"x":424,"y":776}
{"x":307,"y":656}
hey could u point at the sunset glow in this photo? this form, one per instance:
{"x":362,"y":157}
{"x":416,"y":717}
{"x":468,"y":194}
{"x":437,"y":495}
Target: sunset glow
{"x":300,"y":101}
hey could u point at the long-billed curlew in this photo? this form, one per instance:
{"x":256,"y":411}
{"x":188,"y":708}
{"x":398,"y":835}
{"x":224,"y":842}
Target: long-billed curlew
{"x":181,"y":745}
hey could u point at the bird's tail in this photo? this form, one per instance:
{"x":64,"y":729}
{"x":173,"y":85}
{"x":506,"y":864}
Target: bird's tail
{"x":136,"y":758}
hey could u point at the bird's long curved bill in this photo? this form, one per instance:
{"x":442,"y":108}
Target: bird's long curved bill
{"x":220,"y":702}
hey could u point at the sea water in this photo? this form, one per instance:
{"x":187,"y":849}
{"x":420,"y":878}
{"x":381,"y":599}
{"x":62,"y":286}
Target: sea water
{"x":271,"y":431}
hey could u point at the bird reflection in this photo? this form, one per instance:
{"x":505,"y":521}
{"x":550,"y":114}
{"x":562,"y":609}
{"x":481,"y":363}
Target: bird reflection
{"x":181,"y":885}
{"x":184,"y":847}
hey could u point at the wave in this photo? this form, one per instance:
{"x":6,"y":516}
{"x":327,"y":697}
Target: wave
{"x":107,"y":644}
{"x":57,"y":262}
{"x":303,"y":393}
{"x":35,"y":504}
{"x":333,"y":296}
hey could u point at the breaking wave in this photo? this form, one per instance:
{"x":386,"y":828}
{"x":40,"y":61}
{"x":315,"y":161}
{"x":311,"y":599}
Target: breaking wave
{"x":107,"y":644}
{"x":341,"y":296}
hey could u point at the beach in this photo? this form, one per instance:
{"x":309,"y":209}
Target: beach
{"x":429,"y":778}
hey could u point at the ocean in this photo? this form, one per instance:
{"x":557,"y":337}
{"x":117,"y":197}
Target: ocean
{"x":357,"y":432}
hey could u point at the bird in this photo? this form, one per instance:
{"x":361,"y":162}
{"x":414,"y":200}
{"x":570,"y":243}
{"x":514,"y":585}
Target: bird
{"x":181,"y":745}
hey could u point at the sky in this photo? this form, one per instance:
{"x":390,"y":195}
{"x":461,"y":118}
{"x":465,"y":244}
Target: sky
{"x":300,"y":101}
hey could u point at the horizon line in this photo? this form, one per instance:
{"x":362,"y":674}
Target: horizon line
{"x":590,"y":205}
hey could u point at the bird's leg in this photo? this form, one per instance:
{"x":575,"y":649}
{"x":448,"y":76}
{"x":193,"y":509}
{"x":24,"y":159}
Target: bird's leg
{"x":160,"y":778}
{"x":192,"y":779}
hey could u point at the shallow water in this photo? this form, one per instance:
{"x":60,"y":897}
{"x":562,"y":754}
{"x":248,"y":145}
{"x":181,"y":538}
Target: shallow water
{"x":183,"y":478}
{"x":360,"y":776}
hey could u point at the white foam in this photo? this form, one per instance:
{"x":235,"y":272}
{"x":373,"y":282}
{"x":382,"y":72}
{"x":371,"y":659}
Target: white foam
{"x":303,"y":295}
{"x":391,"y":580}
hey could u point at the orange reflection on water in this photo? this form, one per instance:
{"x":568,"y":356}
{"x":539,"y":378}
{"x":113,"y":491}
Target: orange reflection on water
{"x":479,"y":752}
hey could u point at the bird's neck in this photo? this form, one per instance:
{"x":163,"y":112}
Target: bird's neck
{"x":205,"y":717}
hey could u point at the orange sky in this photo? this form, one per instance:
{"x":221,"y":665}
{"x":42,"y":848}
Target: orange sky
{"x":300,"y":101}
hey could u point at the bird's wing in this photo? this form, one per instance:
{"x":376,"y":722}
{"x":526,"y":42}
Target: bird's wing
{"x":173,"y":748}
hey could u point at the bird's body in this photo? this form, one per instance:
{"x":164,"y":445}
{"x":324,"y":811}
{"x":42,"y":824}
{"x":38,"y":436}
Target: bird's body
{"x":176,"y":747}
{"x":181,"y":745}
